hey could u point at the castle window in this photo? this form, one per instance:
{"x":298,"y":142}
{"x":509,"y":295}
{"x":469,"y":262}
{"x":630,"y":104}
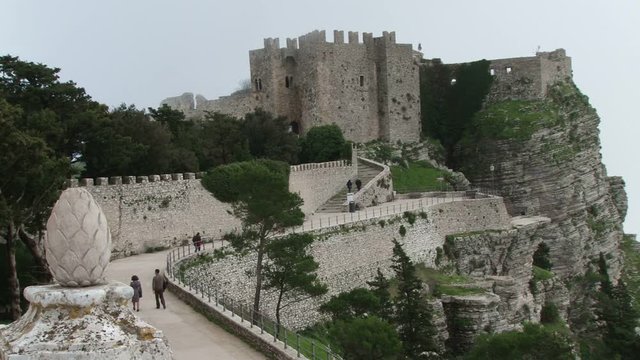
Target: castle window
{"x":259,"y":84}
{"x":361,"y":80}
{"x":508,"y":69}
{"x":286,"y":82}
{"x":453,"y":81}
{"x":492,"y":72}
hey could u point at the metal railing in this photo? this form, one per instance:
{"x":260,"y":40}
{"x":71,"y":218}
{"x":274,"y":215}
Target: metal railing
{"x":320,"y":221}
{"x":301,"y":345}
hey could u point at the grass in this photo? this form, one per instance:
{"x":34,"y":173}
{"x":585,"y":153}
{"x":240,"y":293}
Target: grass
{"x":418,"y":176}
{"x":440,"y":283}
{"x":540,"y":274}
{"x":515,"y":119}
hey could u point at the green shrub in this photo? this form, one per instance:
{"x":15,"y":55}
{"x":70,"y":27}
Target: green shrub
{"x":550,"y":314}
{"x":402,"y":231}
{"x":534,"y":342}
{"x":411,"y":217}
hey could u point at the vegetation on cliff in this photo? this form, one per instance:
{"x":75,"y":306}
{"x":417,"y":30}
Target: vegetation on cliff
{"x":450,"y":96}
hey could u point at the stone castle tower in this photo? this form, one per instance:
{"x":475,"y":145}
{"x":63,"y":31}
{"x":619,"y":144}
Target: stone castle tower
{"x":370,"y":89}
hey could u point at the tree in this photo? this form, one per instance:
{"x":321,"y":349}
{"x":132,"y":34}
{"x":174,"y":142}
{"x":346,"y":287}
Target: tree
{"x":619,"y":315}
{"x":413,"y":314}
{"x":269,"y":137}
{"x":35,"y":175}
{"x":259,"y":193}
{"x":380,"y":288}
{"x":291,"y":271}
{"x":324,"y":143}
{"x":223,"y":141}
{"x":366,"y":338}
{"x":535,"y":342}
{"x":129,"y":142}
{"x":357,"y":303}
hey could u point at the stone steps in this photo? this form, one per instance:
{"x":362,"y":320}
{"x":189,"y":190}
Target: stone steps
{"x":336,"y":204}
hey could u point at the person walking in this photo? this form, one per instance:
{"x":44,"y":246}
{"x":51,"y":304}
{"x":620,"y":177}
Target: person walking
{"x":159,"y":284}
{"x":358,"y":184}
{"x":349,"y":185}
{"x":197,"y":241}
{"x":137,"y":292}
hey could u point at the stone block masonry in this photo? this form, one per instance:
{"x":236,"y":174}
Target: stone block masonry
{"x":318,"y":182}
{"x":350,"y":255}
{"x":145,"y":215}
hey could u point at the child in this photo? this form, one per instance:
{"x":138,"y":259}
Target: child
{"x":137,"y":292}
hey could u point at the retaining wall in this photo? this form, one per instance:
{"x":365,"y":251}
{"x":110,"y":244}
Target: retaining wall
{"x":349,"y":255}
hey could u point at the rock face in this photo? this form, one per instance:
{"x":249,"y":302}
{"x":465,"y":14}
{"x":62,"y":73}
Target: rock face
{"x":548,"y":166}
{"x":557,"y":172}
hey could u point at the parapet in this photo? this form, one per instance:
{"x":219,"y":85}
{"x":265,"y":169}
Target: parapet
{"x":127,"y":180}
{"x":322,"y":165}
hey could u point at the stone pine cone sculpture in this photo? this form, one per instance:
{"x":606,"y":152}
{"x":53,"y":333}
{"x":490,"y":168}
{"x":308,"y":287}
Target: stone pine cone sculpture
{"x":78,"y":241}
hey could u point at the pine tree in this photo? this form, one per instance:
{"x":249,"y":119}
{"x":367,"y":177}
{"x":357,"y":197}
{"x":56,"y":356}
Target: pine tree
{"x":413,"y":314}
{"x":380,"y":288}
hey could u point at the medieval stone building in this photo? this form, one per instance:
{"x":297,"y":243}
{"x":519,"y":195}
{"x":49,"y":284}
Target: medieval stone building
{"x":369,"y":87}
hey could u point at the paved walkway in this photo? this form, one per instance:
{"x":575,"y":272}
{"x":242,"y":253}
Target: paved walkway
{"x":191,"y":336}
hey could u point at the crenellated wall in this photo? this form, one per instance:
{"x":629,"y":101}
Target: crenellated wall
{"x":157,"y":211}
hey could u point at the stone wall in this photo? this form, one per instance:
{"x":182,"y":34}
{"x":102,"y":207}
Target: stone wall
{"x":377,"y":191}
{"x":237,"y":104}
{"x":350,"y":255}
{"x":528,"y":78}
{"x":318,"y":182}
{"x":155,"y":211}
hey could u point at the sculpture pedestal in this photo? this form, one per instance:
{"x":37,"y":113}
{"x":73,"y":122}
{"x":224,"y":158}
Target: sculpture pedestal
{"x":91,"y":323}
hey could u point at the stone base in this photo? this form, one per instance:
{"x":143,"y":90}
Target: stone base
{"x":81,"y":323}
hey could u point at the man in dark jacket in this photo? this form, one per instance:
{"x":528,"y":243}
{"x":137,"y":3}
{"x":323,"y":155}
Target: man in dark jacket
{"x":159,"y":284}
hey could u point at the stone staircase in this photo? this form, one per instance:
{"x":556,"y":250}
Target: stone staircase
{"x":366,"y":173}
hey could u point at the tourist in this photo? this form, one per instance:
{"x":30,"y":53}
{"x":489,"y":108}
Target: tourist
{"x":137,"y":292}
{"x":349,"y":184}
{"x":159,"y":285}
{"x":197,"y":241}
{"x":358,"y":184}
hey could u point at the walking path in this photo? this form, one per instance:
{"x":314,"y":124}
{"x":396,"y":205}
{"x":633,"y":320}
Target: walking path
{"x":191,"y":335}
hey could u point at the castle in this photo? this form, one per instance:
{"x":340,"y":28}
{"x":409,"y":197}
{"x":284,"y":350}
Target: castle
{"x":369,"y":88}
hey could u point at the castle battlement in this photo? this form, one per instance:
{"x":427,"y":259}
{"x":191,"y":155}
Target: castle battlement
{"x":317,"y":37}
{"x":129,"y":180}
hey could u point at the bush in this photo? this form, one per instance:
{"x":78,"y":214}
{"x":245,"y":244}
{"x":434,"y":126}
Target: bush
{"x":550,"y":314}
{"x":402,"y":231}
{"x":535,"y":342}
{"x":411,"y":217}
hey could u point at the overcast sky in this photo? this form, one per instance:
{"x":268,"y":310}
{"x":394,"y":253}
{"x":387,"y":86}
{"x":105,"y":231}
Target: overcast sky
{"x":142,"y":51}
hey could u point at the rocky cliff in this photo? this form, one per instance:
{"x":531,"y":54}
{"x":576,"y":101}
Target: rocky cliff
{"x":544,"y":157}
